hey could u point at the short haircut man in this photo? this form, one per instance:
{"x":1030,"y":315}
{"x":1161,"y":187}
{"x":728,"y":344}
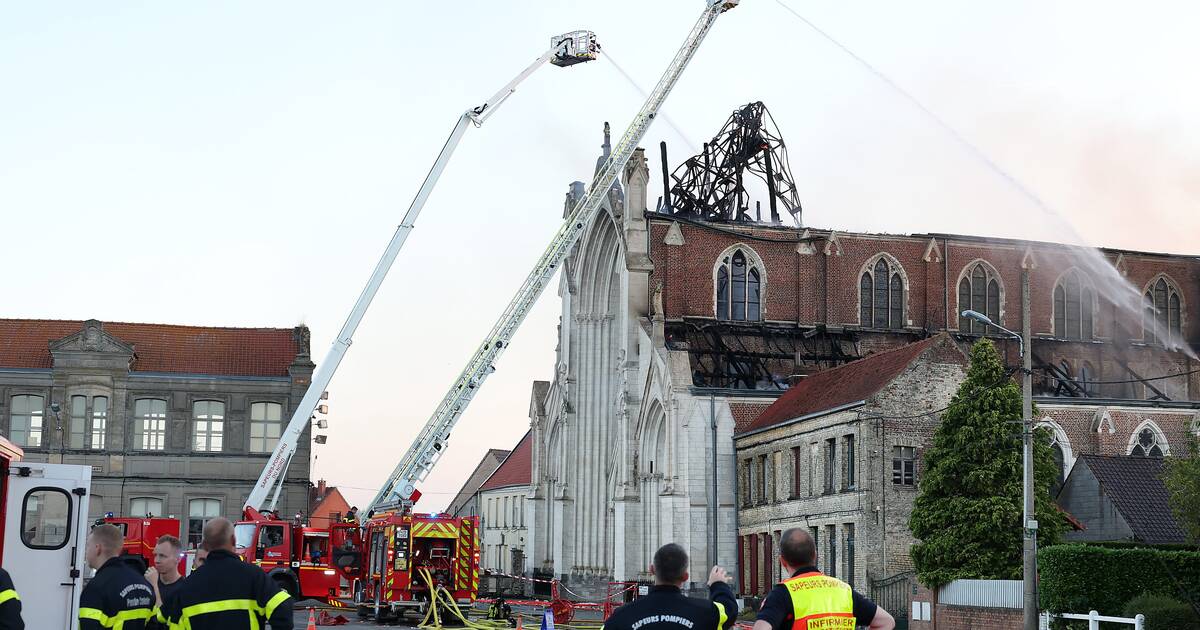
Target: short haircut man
{"x":110,"y":539}
{"x":797,"y":548}
{"x":218,"y":534}
{"x":670,"y":565}
{"x":665,"y":607}
{"x":167,"y":539}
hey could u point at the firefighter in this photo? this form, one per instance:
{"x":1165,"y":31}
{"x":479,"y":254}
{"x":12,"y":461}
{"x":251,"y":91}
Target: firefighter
{"x":666,"y":607}
{"x":118,"y":596}
{"x":164,"y":575}
{"x":816,"y":599}
{"x":351,"y":516}
{"x":10,"y":604}
{"x":227,"y":594}
{"x":501,"y":611}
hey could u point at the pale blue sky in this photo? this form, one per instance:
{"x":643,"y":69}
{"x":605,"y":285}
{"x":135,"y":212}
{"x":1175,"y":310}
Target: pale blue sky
{"x":230,"y":163}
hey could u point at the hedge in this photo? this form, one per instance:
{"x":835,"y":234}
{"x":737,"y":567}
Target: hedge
{"x":1129,"y":544}
{"x":1078,"y":578}
{"x":1163,"y":613}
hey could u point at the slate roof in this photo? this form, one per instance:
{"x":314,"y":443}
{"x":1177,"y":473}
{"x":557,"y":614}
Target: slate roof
{"x":517,"y":468}
{"x":487,"y":465}
{"x":1135,"y":487}
{"x":25,"y":343}
{"x":842,"y":385}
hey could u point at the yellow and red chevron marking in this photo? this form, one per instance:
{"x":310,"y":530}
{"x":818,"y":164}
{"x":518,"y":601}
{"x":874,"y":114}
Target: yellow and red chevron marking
{"x":434,"y":530}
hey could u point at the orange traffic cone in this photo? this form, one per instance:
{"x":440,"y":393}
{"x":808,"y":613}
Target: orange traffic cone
{"x":520,"y":622}
{"x":312,"y":620}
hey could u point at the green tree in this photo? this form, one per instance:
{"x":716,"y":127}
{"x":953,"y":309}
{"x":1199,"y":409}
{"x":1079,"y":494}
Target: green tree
{"x":1181,"y":474}
{"x":968,"y":512}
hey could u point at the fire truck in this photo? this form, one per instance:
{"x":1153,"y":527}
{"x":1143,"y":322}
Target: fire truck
{"x":401,"y":547}
{"x":141,"y":536}
{"x":44,"y":524}
{"x":398,"y":542}
{"x":310,"y":562}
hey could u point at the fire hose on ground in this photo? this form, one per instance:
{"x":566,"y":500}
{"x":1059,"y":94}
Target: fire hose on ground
{"x":439,"y":594}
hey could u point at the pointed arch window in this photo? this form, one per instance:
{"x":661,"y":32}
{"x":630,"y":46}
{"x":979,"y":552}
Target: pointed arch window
{"x":1162,"y":320}
{"x":979,"y":291}
{"x":739,"y":289}
{"x":881,"y":296}
{"x":1147,"y":445}
{"x":1073,"y":301}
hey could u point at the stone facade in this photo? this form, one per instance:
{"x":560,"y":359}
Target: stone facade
{"x":101,"y":376}
{"x":833,"y":474}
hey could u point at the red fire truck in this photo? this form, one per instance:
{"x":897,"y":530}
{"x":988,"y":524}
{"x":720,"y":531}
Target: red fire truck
{"x":400,"y":546}
{"x":142,"y":534}
{"x":312,"y":562}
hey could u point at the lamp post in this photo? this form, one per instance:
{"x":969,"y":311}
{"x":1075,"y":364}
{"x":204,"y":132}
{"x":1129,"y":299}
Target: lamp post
{"x":1029,"y":523}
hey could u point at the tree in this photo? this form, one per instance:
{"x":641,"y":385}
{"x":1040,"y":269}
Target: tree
{"x":968,"y":512}
{"x":1181,"y":474}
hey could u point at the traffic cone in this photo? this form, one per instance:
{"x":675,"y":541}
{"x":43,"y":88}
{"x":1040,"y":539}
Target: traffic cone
{"x":520,"y":622}
{"x":312,"y":620}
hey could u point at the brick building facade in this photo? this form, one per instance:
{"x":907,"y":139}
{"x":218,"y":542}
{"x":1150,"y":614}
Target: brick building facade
{"x":174,"y":420}
{"x":677,"y":332}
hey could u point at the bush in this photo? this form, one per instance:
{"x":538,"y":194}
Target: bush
{"x":1079,"y":578}
{"x":1129,"y":544}
{"x":1163,"y":613}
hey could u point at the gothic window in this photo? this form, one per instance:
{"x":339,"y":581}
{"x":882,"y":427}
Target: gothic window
{"x":1162,"y":318}
{"x":1060,"y":461}
{"x":739,"y":289}
{"x":1087,"y":380}
{"x":881,"y":296}
{"x":979,"y":291}
{"x":1073,"y":300}
{"x":1149,"y":443}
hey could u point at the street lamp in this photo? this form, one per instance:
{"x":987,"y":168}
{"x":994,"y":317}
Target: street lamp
{"x":1029,"y":523}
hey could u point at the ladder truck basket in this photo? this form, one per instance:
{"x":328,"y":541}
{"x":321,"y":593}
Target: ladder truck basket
{"x":577,"y":47}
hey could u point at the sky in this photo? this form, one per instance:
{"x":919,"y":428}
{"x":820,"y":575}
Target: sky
{"x":244,"y":164}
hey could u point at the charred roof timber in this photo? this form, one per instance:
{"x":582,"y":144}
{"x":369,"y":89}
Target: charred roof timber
{"x":711,"y":186}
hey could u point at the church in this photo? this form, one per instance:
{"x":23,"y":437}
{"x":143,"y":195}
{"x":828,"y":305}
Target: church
{"x":681,"y":324}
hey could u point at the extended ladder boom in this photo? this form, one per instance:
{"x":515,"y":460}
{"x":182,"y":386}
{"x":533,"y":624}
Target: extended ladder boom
{"x":430,"y":443}
{"x":565,"y":50}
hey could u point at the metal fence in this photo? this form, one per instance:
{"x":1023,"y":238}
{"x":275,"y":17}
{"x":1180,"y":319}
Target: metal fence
{"x":985,"y":593}
{"x":894,"y":594}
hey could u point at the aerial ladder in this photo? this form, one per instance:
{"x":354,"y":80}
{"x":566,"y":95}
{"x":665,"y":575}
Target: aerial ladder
{"x":399,"y":492}
{"x":565,"y":50}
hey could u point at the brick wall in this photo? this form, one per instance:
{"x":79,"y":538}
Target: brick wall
{"x":951,"y":617}
{"x":804,"y":285}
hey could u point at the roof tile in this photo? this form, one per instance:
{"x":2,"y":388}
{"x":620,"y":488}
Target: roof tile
{"x":842,"y":385}
{"x":1135,"y":486}
{"x":25,"y":343}
{"x":517,"y":468}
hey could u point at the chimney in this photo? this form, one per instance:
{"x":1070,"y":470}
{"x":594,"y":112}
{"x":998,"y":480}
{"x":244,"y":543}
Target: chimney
{"x":320,"y":488}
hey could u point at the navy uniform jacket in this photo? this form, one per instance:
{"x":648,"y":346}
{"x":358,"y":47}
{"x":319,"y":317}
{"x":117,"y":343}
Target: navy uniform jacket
{"x":666,"y":608}
{"x":118,"y":597}
{"x":10,"y":604}
{"x":228,"y":594}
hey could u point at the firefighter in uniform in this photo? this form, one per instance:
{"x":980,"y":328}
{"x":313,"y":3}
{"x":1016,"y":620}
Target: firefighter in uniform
{"x":118,"y":596}
{"x":226,"y":593}
{"x":809,"y":599}
{"x":666,"y":607}
{"x":10,"y":604}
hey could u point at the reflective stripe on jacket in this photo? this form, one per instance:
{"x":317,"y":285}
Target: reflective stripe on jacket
{"x":118,"y":598}
{"x":820,"y":602}
{"x":228,"y":594}
{"x":10,"y":604}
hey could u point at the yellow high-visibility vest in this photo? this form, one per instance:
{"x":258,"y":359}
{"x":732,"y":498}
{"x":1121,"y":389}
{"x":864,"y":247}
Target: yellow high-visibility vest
{"x":820,"y":602}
